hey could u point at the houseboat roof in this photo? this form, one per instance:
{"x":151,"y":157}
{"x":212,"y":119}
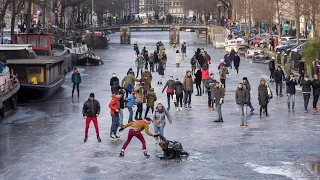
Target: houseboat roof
{"x":39,"y":60}
{"x":4,"y":47}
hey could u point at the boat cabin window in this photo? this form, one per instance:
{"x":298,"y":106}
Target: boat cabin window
{"x":32,"y":40}
{"x":43,"y":41}
{"x":35,"y":75}
{"x":21,"y":72}
{"x":238,"y":41}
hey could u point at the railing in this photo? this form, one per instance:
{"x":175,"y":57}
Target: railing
{"x":9,"y":84}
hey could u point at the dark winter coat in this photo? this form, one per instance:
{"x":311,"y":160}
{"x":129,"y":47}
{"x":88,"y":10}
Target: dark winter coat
{"x":76,"y":78}
{"x":306,"y":85}
{"x":183,"y":49}
{"x":169,"y":84}
{"x":236,"y":61}
{"x":247,"y":85}
{"x":208,"y":82}
{"x":316,"y":87}
{"x":232,"y":54}
{"x":114,"y":83}
{"x":178,"y":88}
{"x":272,"y":65}
{"x":301,"y":67}
{"x":188,"y":83}
{"x":160,"y":69}
{"x":263,"y":96}
{"x":122,"y":101}
{"x":279,"y":76}
{"x":198,"y":76}
{"x":291,"y":86}
{"x":219,"y":94}
{"x":91,"y":108}
{"x":242,"y":96}
{"x":227,"y":60}
{"x":156,"y":58}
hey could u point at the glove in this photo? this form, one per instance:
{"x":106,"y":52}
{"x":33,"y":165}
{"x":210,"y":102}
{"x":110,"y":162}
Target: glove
{"x":121,"y":129}
{"x":221,"y":101}
{"x":156,"y":135}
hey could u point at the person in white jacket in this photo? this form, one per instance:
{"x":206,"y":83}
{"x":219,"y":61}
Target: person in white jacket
{"x":178,"y":58}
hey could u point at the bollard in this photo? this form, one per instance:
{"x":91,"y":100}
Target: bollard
{"x":285,"y":58}
{"x":279,"y":58}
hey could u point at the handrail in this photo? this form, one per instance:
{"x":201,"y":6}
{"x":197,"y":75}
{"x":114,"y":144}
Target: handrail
{"x":9,"y":84}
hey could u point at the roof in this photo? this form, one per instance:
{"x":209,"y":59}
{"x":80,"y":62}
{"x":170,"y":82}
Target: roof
{"x":15,"y":47}
{"x":39,"y":60}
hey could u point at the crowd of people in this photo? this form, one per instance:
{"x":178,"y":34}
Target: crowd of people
{"x":136,"y":89}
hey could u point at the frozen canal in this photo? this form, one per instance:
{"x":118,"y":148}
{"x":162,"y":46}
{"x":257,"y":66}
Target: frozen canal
{"x":45,"y":140}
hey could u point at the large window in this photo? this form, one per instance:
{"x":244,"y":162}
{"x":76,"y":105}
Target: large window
{"x":36,"y":73}
{"x":21,"y":72}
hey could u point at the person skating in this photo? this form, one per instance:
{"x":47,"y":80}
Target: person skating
{"x":147,"y":78}
{"x":114,"y":83}
{"x":236,"y":62}
{"x":242,"y":99}
{"x":263,"y":97}
{"x":219,"y":93}
{"x":140,"y":96}
{"x":204,"y":76}
{"x":114,"y":106}
{"x":178,"y":90}
{"x":170,"y":90}
{"x":227,"y":61}
{"x":209,"y":82}
{"x":159,"y":119}
{"x":146,"y":58}
{"x":306,"y":84}
{"x":183,"y":50}
{"x":130,"y":71}
{"x":316,"y":91}
{"x":122,"y":106}
{"x":131,"y":103}
{"x":90,"y":112}
{"x":291,"y":90}
{"x":151,"y":62}
{"x":272,"y":68}
{"x":279,"y":77}
{"x":232,"y":56}
{"x":128,"y":83}
{"x":164,"y":60}
{"x":135,"y":130}
{"x":171,"y":149}
{"x":161,"y":72}
{"x":139,"y":64}
{"x":156,"y":59}
{"x":193,"y":63}
{"x":76,"y":80}
{"x":178,"y":58}
{"x":188,"y":89}
{"x":301,"y":70}
{"x":136,"y":48}
{"x":198,"y":80}
{"x":151,"y":98}
{"x":246,"y":83}
{"x":223,"y":75}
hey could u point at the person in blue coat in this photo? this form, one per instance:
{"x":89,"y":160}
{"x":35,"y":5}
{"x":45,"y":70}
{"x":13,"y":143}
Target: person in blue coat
{"x":131,"y":103}
{"x":76,"y":80}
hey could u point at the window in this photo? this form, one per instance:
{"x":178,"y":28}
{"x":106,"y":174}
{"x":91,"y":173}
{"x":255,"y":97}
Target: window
{"x":174,"y":10}
{"x":21,"y":72}
{"x":170,"y":3}
{"x":37,"y":73}
{"x":178,"y":10}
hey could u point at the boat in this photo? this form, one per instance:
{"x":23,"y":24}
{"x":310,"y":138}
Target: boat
{"x":99,"y":41}
{"x":90,"y":59}
{"x":235,"y":44}
{"x":251,"y":52}
{"x":42,"y":46}
{"x":263,"y":59}
{"x":78,"y":51}
{"x":39,"y":76}
{"x":9,"y":87}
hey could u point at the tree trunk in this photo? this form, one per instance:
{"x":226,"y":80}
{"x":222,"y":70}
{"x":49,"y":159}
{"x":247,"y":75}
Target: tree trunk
{"x":28,"y":16}
{"x":313,"y":20}
{"x":13,"y":18}
{"x":297,"y":17}
{"x":279,"y":19}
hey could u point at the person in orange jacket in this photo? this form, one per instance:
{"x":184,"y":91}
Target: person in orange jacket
{"x":114,"y":106}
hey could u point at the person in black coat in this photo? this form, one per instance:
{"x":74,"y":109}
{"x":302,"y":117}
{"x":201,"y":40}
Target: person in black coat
{"x":316,"y":91}
{"x":279,"y":77}
{"x":301,"y":70}
{"x":232,"y":55}
{"x":236,"y":62}
{"x":291,"y":90}
{"x":198,"y":79}
{"x":272,"y":68}
{"x":306,"y":90}
{"x":114,"y":83}
{"x":263,"y":96}
{"x":156,"y":59}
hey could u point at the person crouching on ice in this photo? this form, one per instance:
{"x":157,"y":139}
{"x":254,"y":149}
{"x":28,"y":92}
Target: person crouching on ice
{"x":135,"y":130}
{"x":171,"y":150}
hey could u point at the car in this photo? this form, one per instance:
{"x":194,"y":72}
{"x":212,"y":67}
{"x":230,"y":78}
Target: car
{"x":260,"y":59}
{"x":252,"y":52}
{"x":283,"y":40}
{"x":290,"y":44}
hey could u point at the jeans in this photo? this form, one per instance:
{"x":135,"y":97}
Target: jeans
{"x":219,"y":110}
{"x":152,"y":110}
{"x":243,"y":112}
{"x":292,"y":98}
{"x":121,"y":117}
{"x":315,"y":100}
{"x":279,"y":84}
{"x":306,"y":98}
{"x":139,"y":69}
{"x":187,"y":97}
{"x":183,"y":56}
{"x":139,"y":111}
{"x":151,"y":67}
{"x":158,"y":130}
{"x":179,"y":100}
{"x":130,"y":113}
{"x":114,"y":125}
{"x":74,"y":85}
{"x":203,"y":83}
{"x":169,"y":96}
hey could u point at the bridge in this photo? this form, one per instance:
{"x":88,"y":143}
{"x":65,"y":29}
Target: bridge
{"x":210,"y":31}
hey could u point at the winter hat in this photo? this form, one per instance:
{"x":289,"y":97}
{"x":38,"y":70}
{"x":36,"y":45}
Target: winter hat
{"x":244,"y":78}
{"x":91,"y":94}
{"x":222,"y":60}
{"x":114,"y":75}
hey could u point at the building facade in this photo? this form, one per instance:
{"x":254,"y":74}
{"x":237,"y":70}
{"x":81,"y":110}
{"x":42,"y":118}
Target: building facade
{"x":177,"y":8}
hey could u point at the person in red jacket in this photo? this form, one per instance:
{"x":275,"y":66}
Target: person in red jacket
{"x":204,"y":75}
{"x":114,"y":106}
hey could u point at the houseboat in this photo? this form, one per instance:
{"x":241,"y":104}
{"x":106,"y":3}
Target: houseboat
{"x":235,"y":44}
{"x":39,"y":77}
{"x":99,"y":41}
{"x":9,"y":87}
{"x":41,"y":45}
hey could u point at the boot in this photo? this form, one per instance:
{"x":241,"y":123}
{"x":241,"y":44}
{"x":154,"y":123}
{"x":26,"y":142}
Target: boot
{"x":72,"y":96}
{"x":85,"y":138}
{"x":117,"y":137}
{"x":218,"y":120}
{"x":98,"y":137}
{"x":185,"y":106}
{"x":146,"y":154}
{"x":168,"y":108}
{"x":78,"y":95}
{"x":189,"y":106}
{"x":121,"y":153}
{"x":221,"y":119}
